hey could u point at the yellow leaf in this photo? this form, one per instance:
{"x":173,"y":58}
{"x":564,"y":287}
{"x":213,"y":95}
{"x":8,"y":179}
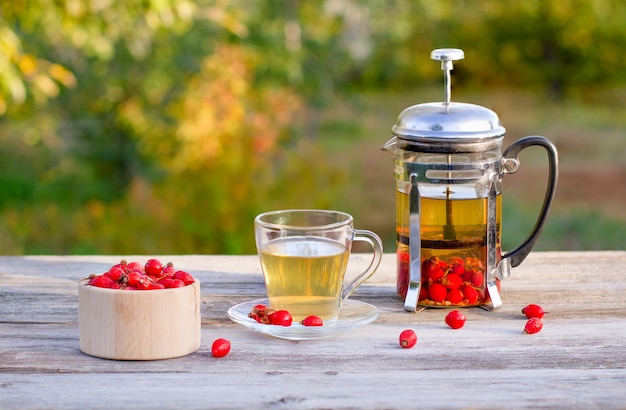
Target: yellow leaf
{"x":16,"y":86}
{"x":46,"y":85}
{"x":62,"y":75}
{"x":27,"y":64}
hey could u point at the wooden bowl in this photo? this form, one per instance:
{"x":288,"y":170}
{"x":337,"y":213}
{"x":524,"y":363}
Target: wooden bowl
{"x":139,"y":324}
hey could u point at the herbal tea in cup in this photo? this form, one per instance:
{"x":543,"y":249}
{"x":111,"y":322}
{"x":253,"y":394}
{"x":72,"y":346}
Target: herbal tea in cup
{"x":304,"y":256}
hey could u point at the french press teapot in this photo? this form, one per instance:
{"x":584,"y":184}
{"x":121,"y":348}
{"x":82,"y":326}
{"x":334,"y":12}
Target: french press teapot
{"x":448,"y":169}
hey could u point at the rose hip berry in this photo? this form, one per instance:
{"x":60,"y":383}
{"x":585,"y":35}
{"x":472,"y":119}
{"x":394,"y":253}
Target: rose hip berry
{"x":455,"y":296}
{"x":150,"y":285}
{"x":153,"y":267}
{"x":170,"y":283}
{"x":184,"y":276}
{"x":134,"y":279}
{"x":312,"y":321}
{"x":115,"y":273}
{"x":220,"y":347}
{"x":437,"y":292}
{"x":408,"y":339}
{"x":261,"y":314}
{"x":476,"y":278}
{"x":452,"y":281}
{"x":533,"y":325}
{"x":101,"y":281}
{"x":533,"y":310}
{"x":168,"y":269}
{"x":281,"y":318}
{"x":133,"y":266}
{"x":470,"y":294}
{"x":431,"y":268}
{"x":455,"y":319}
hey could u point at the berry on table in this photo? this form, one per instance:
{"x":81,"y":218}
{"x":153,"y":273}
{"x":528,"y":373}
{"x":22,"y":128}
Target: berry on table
{"x":408,"y":338}
{"x":533,"y":310}
{"x":220,"y":347}
{"x":533,"y":325}
{"x":455,"y":319}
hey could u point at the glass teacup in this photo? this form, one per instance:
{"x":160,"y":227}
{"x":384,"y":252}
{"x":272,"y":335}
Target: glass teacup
{"x":304,"y":255}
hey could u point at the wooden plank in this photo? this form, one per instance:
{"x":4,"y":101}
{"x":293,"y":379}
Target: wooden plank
{"x":287,"y":389}
{"x":496,"y":343}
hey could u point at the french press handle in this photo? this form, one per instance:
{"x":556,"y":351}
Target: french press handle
{"x":511,"y":165}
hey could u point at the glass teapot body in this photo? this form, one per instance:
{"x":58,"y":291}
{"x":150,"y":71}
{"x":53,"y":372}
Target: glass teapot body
{"x":449,"y":219}
{"x":457,"y":221}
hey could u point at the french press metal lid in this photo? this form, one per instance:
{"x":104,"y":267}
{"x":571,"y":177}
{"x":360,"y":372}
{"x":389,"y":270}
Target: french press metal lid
{"x":447,"y":127}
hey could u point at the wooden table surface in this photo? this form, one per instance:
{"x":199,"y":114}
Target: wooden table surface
{"x":577,"y":361}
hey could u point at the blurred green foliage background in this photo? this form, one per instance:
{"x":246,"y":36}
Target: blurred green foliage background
{"x":165,"y":126}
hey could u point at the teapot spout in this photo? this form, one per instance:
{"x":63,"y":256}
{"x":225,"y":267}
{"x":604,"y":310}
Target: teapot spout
{"x":391,"y":145}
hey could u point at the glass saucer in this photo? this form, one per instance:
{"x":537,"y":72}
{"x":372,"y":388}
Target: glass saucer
{"x":352,"y":314}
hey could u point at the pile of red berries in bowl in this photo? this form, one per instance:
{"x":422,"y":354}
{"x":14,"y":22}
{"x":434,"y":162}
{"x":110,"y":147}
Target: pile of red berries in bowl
{"x":135,"y":276}
{"x":137,"y":311}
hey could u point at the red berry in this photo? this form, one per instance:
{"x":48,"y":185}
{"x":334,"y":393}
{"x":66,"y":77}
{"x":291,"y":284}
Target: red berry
{"x":261,"y":314}
{"x":122,"y":264}
{"x":534,"y":325}
{"x":145,"y":282}
{"x":168,"y":269}
{"x":133,"y":266}
{"x":115,"y":273}
{"x":281,"y":318}
{"x":476,"y":278}
{"x":256,"y":311}
{"x":184,"y":276}
{"x":457,"y":268}
{"x":533,"y":311}
{"x":153,"y":267}
{"x":455,"y":319}
{"x":312,"y":321}
{"x":454,"y":296}
{"x":431,"y":268}
{"x":172,"y":283}
{"x":148,"y":284}
{"x":220,"y":347}
{"x":437,"y":292}
{"x":470,"y":294}
{"x":403,"y":256}
{"x":102,"y":281}
{"x":452,"y":281}
{"x":134,"y":279}
{"x":408,"y":338}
